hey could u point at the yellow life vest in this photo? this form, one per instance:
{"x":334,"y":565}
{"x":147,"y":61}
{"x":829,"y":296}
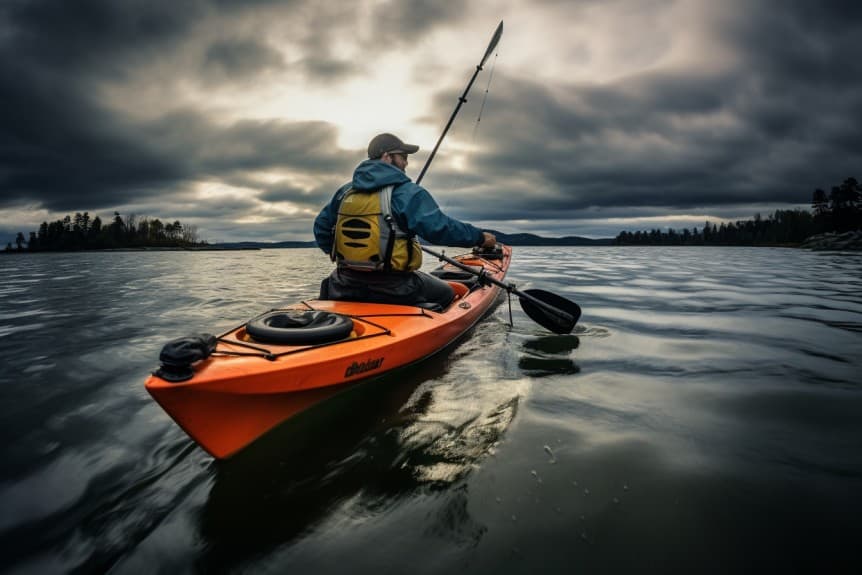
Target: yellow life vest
{"x":367,"y":236}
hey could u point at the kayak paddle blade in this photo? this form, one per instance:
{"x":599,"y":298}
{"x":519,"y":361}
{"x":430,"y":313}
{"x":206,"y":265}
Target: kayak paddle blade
{"x":551,"y":317}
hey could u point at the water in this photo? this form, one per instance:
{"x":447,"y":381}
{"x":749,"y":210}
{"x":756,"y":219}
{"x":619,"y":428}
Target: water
{"x":704,"y":417}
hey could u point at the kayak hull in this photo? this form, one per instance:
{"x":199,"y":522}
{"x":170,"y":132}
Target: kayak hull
{"x":246,"y":388}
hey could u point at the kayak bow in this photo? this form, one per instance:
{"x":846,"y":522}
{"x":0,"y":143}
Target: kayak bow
{"x":247,"y":386}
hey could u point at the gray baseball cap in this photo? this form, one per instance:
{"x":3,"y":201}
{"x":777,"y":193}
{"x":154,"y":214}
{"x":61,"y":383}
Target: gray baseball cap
{"x":382,"y":143}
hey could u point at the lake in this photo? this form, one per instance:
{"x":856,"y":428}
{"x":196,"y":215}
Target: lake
{"x":705,"y":416}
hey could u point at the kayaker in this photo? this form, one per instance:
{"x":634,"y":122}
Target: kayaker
{"x":370,"y":228}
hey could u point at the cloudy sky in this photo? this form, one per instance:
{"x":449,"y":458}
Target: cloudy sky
{"x":243,"y":117}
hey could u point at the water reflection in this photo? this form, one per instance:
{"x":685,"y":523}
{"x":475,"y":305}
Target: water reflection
{"x":553,"y":344}
{"x":545,"y":366}
{"x":542,"y":357}
{"x":720,"y":385}
{"x":389,"y":444}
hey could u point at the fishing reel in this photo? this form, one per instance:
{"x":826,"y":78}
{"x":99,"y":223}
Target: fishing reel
{"x":494,"y":253}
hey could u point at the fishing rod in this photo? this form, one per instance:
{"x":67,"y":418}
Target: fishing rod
{"x":463,"y":98}
{"x":549,"y":310}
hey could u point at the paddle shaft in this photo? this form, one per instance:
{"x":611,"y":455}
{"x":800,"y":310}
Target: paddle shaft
{"x":508,"y":287}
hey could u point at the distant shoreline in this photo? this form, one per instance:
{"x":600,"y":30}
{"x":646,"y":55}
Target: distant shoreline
{"x":514,"y":240}
{"x":847,"y":241}
{"x":215,"y":248}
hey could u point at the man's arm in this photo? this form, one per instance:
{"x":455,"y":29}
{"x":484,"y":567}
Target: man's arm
{"x":423,"y":216}
{"x":323,"y":230}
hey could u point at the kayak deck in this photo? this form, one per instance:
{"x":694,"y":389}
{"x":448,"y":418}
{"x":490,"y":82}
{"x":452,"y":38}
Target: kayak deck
{"x":245,"y":388}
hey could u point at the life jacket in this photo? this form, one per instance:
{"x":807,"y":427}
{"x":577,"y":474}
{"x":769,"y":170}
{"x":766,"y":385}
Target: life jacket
{"x":367,"y":236}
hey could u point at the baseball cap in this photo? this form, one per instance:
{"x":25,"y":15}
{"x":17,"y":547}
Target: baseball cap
{"x":382,"y":143}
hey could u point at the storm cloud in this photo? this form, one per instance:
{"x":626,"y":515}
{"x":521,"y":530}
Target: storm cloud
{"x":235,"y":116}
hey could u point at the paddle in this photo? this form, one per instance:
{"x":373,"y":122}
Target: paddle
{"x":549,"y":310}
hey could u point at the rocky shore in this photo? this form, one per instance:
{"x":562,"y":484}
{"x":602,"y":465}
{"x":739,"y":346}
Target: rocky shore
{"x":834,"y":241}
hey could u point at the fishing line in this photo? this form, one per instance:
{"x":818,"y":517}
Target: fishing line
{"x":460,"y":179}
{"x":485,"y":97}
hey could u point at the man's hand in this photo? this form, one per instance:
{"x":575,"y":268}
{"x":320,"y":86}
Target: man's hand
{"x":490,"y":240}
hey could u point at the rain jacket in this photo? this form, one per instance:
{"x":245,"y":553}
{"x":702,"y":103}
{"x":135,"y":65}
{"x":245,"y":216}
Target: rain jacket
{"x":413,"y":209}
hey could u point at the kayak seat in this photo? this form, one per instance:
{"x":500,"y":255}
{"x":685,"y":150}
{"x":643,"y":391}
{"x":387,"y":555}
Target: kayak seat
{"x":453,"y":274}
{"x":459,"y":288}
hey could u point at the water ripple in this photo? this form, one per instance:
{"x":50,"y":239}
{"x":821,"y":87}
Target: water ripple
{"x":696,"y":375}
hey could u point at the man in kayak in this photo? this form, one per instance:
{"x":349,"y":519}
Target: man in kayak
{"x":370,"y":228}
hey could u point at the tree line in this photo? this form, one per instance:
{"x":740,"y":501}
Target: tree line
{"x":839,"y":211}
{"x":81,"y":232}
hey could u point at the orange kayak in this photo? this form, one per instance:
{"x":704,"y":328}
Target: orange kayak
{"x":248,"y":383}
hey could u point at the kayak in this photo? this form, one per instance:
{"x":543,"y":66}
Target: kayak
{"x":225,"y":392}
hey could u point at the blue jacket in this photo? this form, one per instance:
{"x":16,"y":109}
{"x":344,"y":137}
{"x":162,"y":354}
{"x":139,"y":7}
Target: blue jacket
{"x":413,"y":208}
